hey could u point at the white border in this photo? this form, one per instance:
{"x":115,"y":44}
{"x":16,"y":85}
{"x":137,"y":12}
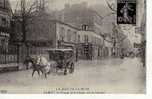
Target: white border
{"x":106,"y":96}
{"x":149,"y":47}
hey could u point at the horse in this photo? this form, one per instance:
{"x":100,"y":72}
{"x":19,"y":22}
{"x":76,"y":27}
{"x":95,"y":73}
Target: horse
{"x":39,"y":64}
{"x":44,"y":64}
{"x":27,"y":61}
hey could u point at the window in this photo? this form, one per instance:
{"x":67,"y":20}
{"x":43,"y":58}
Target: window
{"x":75,"y":35}
{"x":85,"y":27}
{"x":69,"y":36}
{"x":4,"y":22}
{"x":86,"y":38}
{"x":62,"y":34}
{"x":4,"y":45}
{"x":78,"y":38}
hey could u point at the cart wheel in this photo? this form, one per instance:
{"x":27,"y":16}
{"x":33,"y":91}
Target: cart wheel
{"x":72,"y":68}
{"x":65,"y":71}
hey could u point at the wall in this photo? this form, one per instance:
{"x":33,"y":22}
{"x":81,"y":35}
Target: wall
{"x":80,"y":14}
{"x":92,"y":37}
{"x":90,"y":42}
{"x":42,"y":29}
{"x":65,"y":32}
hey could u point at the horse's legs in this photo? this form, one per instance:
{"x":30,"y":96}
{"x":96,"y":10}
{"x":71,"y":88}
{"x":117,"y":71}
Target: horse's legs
{"x":49,"y":72}
{"x":33,"y":72}
{"x":45,"y":75}
{"x":41,"y":71}
{"x":38,"y":72}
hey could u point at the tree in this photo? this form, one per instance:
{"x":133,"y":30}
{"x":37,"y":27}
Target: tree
{"x":25,"y":11}
{"x":114,"y":37}
{"x":112,"y":5}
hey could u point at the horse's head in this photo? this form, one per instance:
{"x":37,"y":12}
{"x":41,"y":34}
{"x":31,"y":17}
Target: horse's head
{"x":29,"y":60}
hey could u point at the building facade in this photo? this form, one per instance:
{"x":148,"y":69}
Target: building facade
{"x":81,"y":14}
{"x":7,"y":51}
{"x":5,"y":19}
{"x":86,"y":44}
{"x":89,"y":45}
{"x":53,"y":31}
{"x":44,"y":33}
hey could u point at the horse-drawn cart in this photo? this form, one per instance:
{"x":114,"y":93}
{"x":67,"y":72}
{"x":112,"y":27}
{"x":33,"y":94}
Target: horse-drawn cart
{"x":64,"y":58}
{"x":59,"y":59}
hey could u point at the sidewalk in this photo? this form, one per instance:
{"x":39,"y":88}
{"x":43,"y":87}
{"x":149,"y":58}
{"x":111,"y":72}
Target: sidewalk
{"x":8,"y":65}
{"x":12,"y":67}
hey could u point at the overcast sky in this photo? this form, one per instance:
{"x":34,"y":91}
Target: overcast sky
{"x":59,"y":4}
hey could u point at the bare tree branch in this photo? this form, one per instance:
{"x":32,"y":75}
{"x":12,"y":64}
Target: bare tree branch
{"x":32,"y":7}
{"x":108,"y":15}
{"x":110,"y":6}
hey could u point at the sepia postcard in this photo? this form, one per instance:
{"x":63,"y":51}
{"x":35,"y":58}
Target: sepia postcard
{"x":72,"y":46}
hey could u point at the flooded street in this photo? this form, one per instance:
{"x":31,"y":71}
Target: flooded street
{"x":107,"y":75}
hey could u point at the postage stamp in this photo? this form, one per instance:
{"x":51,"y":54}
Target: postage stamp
{"x":126,"y":11}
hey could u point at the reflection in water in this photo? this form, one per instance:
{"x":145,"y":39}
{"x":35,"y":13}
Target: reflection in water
{"x":109,"y":62}
{"x":104,"y":62}
{"x":117,"y":61}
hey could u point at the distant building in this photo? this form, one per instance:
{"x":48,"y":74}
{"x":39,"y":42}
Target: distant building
{"x":53,"y":31}
{"x":89,"y":45}
{"x":131,"y":34}
{"x":80,"y":14}
{"x":45,"y":33}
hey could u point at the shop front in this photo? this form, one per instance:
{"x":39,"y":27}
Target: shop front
{"x":7,"y":51}
{"x":4,"y":40}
